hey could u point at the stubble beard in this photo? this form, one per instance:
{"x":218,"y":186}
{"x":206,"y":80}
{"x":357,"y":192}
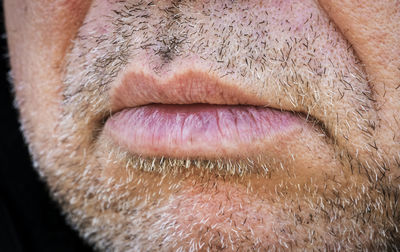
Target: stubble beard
{"x":120,"y":201}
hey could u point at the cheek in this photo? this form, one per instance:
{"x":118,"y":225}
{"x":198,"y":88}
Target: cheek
{"x":59,"y":20}
{"x":39,"y":33}
{"x":373,"y":28}
{"x":41,"y":30}
{"x":46,"y":16}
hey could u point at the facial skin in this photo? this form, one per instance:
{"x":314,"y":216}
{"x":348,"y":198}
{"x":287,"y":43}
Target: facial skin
{"x":330,"y":182}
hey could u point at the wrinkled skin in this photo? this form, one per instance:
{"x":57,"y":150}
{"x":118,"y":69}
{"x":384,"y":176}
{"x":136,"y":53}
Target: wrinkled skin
{"x":334,"y":184}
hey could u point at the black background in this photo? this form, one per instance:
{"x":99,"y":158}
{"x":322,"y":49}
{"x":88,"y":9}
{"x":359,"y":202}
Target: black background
{"x":29,"y":219}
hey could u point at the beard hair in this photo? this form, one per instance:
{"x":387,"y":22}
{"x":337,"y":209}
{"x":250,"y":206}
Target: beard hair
{"x":143,"y":211}
{"x":124,"y":214}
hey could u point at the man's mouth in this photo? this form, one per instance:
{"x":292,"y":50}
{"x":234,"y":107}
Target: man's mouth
{"x":193,"y":115}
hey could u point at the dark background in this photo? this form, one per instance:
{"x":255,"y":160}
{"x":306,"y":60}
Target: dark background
{"x":29,"y":219}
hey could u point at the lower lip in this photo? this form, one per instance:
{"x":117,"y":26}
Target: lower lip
{"x":200,"y":130}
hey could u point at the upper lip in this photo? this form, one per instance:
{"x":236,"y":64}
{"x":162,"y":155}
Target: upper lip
{"x":138,"y":89}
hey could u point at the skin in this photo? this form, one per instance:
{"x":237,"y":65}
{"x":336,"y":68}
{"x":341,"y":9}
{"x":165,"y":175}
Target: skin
{"x":332,"y":184}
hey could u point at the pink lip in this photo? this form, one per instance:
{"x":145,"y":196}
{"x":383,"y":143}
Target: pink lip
{"x":193,"y":116}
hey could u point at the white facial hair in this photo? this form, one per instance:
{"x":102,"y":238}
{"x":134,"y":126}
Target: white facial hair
{"x":312,"y":72}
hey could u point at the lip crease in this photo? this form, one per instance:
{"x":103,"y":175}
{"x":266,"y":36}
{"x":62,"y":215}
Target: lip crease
{"x":193,"y":115}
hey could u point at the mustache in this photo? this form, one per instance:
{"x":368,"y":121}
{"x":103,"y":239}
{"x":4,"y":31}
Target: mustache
{"x":316,"y":74}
